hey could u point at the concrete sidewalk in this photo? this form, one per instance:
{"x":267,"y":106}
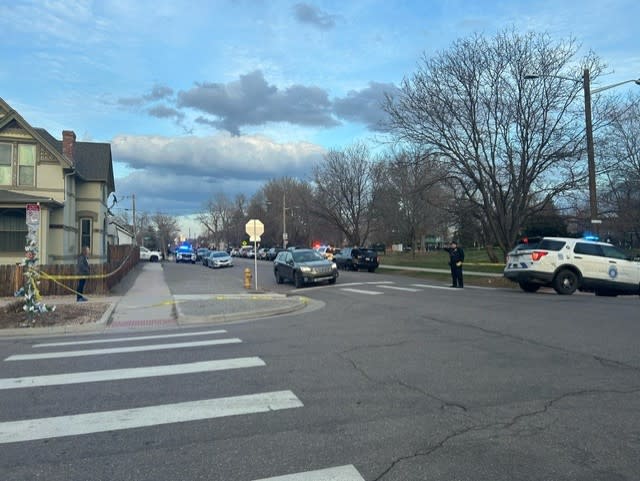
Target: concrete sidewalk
{"x":148,"y":302}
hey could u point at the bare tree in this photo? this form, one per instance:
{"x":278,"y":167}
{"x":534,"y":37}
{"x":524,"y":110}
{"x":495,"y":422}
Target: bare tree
{"x":167,"y":229}
{"x":344,"y":188}
{"x":510,"y":145}
{"x":622,"y":195}
{"x":410,"y":196}
{"x":286,"y":202}
{"x":217,"y":218}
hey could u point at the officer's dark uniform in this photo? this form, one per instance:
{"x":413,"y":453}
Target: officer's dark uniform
{"x":456,"y":258}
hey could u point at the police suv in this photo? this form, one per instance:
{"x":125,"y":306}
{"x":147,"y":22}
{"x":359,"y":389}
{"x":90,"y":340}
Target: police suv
{"x":568,"y":264}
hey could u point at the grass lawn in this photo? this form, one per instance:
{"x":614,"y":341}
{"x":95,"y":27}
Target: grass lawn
{"x":475,"y":259}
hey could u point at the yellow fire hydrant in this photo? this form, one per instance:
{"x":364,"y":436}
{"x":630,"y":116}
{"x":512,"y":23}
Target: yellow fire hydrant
{"x":247,"y":278}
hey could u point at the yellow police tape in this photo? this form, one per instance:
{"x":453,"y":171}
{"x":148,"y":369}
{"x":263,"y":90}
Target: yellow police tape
{"x":56,"y":279}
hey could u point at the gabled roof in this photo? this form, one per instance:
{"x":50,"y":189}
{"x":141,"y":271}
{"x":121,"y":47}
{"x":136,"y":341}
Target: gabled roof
{"x":92,"y":160}
{"x":45,"y":140}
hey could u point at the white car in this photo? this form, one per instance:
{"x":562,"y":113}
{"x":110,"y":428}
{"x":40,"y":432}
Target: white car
{"x":217,"y":259}
{"x":569,"y":264}
{"x":149,"y":255}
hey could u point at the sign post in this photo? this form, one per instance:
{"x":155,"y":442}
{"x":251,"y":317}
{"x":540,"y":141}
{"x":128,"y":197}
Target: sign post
{"x":254,"y":230}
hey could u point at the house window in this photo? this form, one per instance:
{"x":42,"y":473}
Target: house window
{"x":13,"y":230}
{"x":26,"y":164}
{"x":85,"y":233}
{"x":6,"y":151}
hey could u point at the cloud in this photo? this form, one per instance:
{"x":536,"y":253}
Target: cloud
{"x":163,"y":112}
{"x":177,"y":175}
{"x":177,"y":195}
{"x":252,"y":101}
{"x":158,"y":92}
{"x":221,"y":156}
{"x":305,"y":13}
{"x":365,"y":106}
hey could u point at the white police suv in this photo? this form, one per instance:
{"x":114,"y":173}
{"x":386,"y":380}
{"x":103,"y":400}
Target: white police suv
{"x":568,"y":264}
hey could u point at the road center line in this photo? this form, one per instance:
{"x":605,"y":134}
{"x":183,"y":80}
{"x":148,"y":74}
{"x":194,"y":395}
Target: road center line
{"x":31,"y":429}
{"x":129,"y":339}
{"x":133,"y":373}
{"x":359,"y":291}
{"x":116,"y":350}
{"x":340,"y":473}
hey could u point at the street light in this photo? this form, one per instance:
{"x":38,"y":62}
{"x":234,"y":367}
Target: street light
{"x":586,"y":86}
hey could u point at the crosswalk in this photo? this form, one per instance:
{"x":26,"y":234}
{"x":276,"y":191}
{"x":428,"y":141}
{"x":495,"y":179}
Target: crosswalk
{"x":60,"y":425}
{"x":378,"y":288}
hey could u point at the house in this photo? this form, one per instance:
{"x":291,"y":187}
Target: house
{"x":71,"y":182}
{"x":119,"y":233}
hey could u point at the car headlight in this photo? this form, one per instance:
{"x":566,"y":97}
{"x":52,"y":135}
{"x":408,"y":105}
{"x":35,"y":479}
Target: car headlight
{"x":305,"y":269}
{"x":334,"y":266}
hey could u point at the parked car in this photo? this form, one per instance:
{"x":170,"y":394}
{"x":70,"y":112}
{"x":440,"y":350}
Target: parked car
{"x":217,"y":259}
{"x":273,"y":252}
{"x":303,"y":266}
{"x":201,"y":253}
{"x":326,"y":251}
{"x":569,"y":264}
{"x":235,"y":252}
{"x":355,"y":258}
{"x":262,"y":254}
{"x":149,"y":255}
{"x":185,"y":254}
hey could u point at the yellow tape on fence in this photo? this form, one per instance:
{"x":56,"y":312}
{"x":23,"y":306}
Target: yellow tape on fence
{"x":87,"y":276}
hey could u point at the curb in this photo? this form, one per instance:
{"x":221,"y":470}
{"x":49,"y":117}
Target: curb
{"x":249,"y":314}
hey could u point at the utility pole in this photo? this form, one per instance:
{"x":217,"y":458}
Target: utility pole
{"x":135,"y":229}
{"x":591,"y":162}
{"x":284,"y":219}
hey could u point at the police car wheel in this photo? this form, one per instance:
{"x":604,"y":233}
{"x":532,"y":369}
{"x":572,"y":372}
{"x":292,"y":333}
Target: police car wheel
{"x":565,"y":282}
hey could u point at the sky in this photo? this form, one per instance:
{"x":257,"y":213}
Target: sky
{"x":206,"y":96}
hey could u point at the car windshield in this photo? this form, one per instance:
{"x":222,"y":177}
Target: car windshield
{"x":306,"y":256}
{"x":218,"y":254}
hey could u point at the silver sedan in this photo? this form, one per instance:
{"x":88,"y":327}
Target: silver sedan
{"x":218,"y":259}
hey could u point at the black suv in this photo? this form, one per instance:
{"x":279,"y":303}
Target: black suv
{"x":355,"y":258}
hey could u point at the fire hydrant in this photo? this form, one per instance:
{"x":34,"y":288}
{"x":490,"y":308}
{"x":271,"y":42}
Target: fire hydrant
{"x":247,"y":278}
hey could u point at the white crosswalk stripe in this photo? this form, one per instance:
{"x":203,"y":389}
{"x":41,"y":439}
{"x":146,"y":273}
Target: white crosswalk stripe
{"x":340,"y":473}
{"x":61,"y":426}
{"x":397,"y":288}
{"x":130,"y":339}
{"x":361,"y":291}
{"x":118,"y":350}
{"x":87,"y":423}
{"x":133,"y":373}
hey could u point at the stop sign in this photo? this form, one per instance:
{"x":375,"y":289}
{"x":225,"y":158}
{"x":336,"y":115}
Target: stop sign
{"x":254,"y":228}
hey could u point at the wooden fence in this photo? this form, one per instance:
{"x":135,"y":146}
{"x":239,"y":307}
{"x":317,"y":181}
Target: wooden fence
{"x":121,"y":259}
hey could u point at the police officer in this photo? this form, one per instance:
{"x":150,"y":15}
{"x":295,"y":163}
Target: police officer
{"x":82,"y":268}
{"x":456,"y":258}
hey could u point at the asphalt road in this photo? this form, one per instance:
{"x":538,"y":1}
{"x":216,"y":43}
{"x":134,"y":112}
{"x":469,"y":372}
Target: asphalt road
{"x":393,"y":379}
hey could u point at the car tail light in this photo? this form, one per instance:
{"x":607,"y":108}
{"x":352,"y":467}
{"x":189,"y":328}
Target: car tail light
{"x":537,"y":255}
